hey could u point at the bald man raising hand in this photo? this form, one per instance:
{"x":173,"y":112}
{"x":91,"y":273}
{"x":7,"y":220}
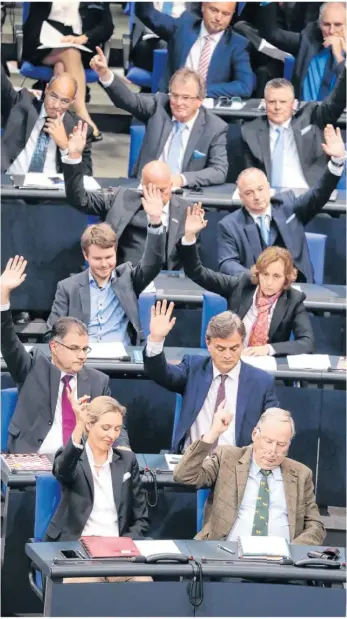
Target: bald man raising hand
{"x":122,"y":209}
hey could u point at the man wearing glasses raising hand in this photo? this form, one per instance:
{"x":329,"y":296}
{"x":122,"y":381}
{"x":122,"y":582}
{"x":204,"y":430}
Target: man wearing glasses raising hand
{"x":44,"y":419}
{"x":179,"y":130}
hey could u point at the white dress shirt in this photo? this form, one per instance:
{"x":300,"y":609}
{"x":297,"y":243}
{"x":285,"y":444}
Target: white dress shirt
{"x":278,"y":513}
{"x":54,"y":438}
{"x":193,"y":58}
{"x":292,"y":174}
{"x":267,"y":217}
{"x":184,"y":141}
{"x":251,"y":316}
{"x":67,"y":12}
{"x":204,"y":419}
{"x":103,"y":519}
{"x":22,"y":162}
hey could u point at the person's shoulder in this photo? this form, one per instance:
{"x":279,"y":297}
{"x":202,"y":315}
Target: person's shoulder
{"x":296,"y":467}
{"x":231,"y":452}
{"x":312,"y":32}
{"x":74,"y":280}
{"x":236,"y":39}
{"x":233,"y":219}
{"x":196,"y":361}
{"x":93,"y":374}
{"x":125,"y":455}
{"x":213,"y":121}
{"x":249,"y":129}
{"x":295,"y":296}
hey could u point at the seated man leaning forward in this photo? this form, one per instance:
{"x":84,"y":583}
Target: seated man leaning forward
{"x":242,"y":477}
{"x":101,"y":485}
{"x":206,"y":382}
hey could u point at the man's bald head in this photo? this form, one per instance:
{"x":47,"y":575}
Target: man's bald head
{"x":59,"y":94}
{"x":254,"y":190}
{"x":158,"y":173}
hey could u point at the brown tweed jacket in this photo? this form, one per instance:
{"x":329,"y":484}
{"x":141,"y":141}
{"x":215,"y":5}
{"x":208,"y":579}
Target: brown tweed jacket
{"x":226,"y":472}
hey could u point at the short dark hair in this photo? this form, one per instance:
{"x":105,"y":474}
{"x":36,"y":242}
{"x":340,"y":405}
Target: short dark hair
{"x":224,"y":325}
{"x":66,"y":324}
{"x":101,"y":235}
{"x":279,"y":82}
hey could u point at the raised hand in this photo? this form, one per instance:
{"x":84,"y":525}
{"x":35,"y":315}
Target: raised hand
{"x":256,"y":351}
{"x":337,"y":44}
{"x":55,"y":128}
{"x":77,"y":140}
{"x":80,"y":407}
{"x":161,"y":322}
{"x":220,"y":423}
{"x":334,"y":146}
{"x":195,"y":221}
{"x":14,"y":274}
{"x":99,"y":64}
{"x":152,"y":203}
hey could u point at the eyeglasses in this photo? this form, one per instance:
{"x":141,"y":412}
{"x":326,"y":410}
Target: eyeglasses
{"x":75,"y":349}
{"x":268,"y":443}
{"x":185,"y":98}
{"x":62,"y":102}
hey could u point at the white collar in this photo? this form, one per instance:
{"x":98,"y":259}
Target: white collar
{"x":62,"y":374}
{"x":189,"y":124}
{"x":215,"y":37}
{"x":91,"y":455}
{"x":285,"y":125}
{"x":234,"y":372}
{"x":256,"y":215}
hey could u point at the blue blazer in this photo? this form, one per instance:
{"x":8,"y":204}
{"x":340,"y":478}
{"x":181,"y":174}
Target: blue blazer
{"x":229,"y":73}
{"x":238,"y":235}
{"x":192,"y":379}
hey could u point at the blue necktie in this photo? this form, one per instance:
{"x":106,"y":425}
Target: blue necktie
{"x":167,"y":8}
{"x":265,"y":233}
{"x":277,"y":159}
{"x":39,"y":155}
{"x":173,"y":155}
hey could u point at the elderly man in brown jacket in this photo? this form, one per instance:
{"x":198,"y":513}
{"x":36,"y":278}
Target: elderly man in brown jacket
{"x":257,"y":490}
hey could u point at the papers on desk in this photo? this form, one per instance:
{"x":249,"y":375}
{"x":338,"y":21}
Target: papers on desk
{"x":309,"y":362}
{"x":208,"y":103}
{"x":150,"y":288}
{"x":157,"y":547}
{"x":27,"y":348}
{"x":269,"y":547}
{"x":172,"y":460}
{"x":51,"y":38}
{"x":266,"y":363}
{"x":272,"y":51}
{"x":37,"y":180}
{"x":108,"y":350}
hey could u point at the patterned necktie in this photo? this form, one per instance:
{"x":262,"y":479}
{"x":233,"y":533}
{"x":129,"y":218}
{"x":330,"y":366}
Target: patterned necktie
{"x":167,"y":8}
{"x":277,"y":159}
{"x":173,"y":155}
{"x":261,"y":514}
{"x":260,"y":330}
{"x":37,"y":162}
{"x":265,"y":233}
{"x":205,"y":57}
{"x":68,"y":416}
{"x":221,"y":391}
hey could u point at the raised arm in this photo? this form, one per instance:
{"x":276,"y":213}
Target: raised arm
{"x":66,"y":459}
{"x":330,"y":110}
{"x":287,"y":41}
{"x":19,"y":362}
{"x":60,"y":306}
{"x":160,"y":23}
{"x":140,"y":106}
{"x":188,"y":252}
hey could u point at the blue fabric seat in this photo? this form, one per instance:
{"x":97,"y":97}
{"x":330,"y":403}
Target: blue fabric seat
{"x":9,"y":399}
{"x":201,"y":497}
{"x":316,"y":248}
{"x":146,"y":300}
{"x":137,"y":133}
{"x":212,"y":304}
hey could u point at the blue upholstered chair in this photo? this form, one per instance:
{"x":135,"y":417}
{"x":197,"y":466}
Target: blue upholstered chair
{"x":146,"y":300}
{"x":201,"y":497}
{"x":9,"y":399}
{"x":137,"y":133}
{"x":176,"y":416}
{"x":159,"y":64}
{"x":212,"y":304}
{"x":288,"y":68}
{"x":316,"y":248}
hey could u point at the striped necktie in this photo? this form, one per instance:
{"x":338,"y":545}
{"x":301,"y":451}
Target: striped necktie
{"x":38,"y":159}
{"x":205,"y":57}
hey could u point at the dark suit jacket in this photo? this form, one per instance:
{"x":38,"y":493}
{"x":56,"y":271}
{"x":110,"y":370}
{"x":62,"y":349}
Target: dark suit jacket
{"x":289,"y":314}
{"x":205,"y":161}
{"x":117,"y":206}
{"x":238,"y":235}
{"x":20,"y":111}
{"x":38,"y":385}
{"x":227,"y":473}
{"x":302,"y":45}
{"x":308,"y":124}
{"x":96,"y":20}
{"x":192,"y":378}
{"x":229,"y":73}
{"x":72,"y":470}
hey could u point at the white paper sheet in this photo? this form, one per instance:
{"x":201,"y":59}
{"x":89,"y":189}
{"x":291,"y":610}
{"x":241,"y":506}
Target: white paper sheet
{"x":272,"y":51}
{"x":274,"y":546}
{"x":27,"y":348}
{"x":51,"y":38}
{"x":297,"y":287}
{"x":90,"y":184}
{"x":172,"y":460}
{"x":309,"y":362}
{"x":150,"y":288}
{"x":42,"y":181}
{"x":154,"y":547}
{"x":107,"y":350}
{"x":266,"y":362}
{"x":208,"y":103}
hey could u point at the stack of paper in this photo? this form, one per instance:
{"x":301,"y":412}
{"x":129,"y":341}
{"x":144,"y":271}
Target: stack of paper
{"x":157,"y":547}
{"x":51,"y":38}
{"x":172,"y":460}
{"x":269,"y":547}
{"x":108,"y":350}
{"x":309,"y":362}
{"x":42,"y":181}
{"x":266,"y":363}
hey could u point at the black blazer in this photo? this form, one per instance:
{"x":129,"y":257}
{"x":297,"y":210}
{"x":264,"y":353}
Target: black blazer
{"x":20,"y":111}
{"x":289,"y":314}
{"x":308,"y":124}
{"x":72,"y":470}
{"x":38,"y":385}
{"x":302,"y":45}
{"x":96,"y":19}
{"x":117,"y":206}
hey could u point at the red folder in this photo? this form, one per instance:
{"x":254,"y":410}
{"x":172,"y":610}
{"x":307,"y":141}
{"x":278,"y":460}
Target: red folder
{"x":103,"y":547}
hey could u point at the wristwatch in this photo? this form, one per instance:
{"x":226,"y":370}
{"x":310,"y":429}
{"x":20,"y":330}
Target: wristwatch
{"x":155,"y":225}
{"x":337,"y":161}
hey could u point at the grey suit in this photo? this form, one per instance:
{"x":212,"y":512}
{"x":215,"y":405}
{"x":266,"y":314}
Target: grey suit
{"x":73,"y":294}
{"x":308,"y":124}
{"x":208,"y":136}
{"x":122,"y":209}
{"x":38,"y":385}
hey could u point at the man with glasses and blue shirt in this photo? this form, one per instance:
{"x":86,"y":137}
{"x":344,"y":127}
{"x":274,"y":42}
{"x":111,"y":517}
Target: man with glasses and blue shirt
{"x":179,"y":130}
{"x":44,"y":419}
{"x":36,"y":132}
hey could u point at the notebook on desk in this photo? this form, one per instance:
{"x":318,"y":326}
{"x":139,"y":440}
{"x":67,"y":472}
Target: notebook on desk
{"x":273,"y":548}
{"x":103,"y":547}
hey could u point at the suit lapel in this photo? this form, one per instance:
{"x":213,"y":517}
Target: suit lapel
{"x":55,"y":375}
{"x":124,"y":210}
{"x":196,"y":133}
{"x":33,"y":115}
{"x":242,"y":399}
{"x":84,"y":291}
{"x":117,"y":474}
{"x":264,"y":143}
{"x":242,"y":472}
{"x":83,"y":384}
{"x":279,"y":216}
{"x":190,"y":37}
{"x":123,"y":294}
{"x":87,"y":471}
{"x":177,"y":212}
{"x":299,"y":141}
{"x":164,"y":134}
{"x":290,"y":483}
{"x":220,"y":54}
{"x":279,"y":313}
{"x":252,"y":233}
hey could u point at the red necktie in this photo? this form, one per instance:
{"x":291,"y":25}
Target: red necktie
{"x":68,"y":416}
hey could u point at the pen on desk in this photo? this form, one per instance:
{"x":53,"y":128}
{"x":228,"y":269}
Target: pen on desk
{"x":231,"y":552}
